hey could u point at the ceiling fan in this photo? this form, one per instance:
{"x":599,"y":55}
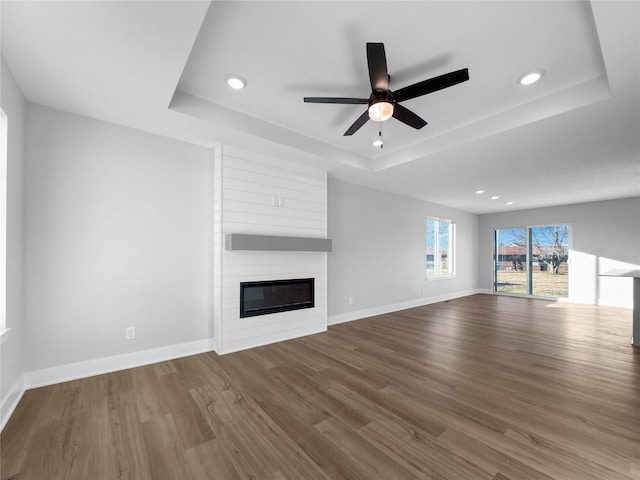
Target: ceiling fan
{"x":383,"y":103}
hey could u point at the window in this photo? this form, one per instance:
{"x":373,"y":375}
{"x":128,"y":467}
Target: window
{"x":440,"y":248}
{"x":3,"y":226}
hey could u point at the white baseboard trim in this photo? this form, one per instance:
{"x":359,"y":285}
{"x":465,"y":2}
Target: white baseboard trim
{"x":10,"y":402}
{"x":394,"y":307}
{"x":98,"y":366}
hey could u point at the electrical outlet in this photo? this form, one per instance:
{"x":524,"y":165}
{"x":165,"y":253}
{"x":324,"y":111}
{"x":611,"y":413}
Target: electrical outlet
{"x":277,"y":201}
{"x":350,"y":300}
{"x":130,"y":333}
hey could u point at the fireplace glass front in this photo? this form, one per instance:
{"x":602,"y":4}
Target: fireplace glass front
{"x":272,"y":296}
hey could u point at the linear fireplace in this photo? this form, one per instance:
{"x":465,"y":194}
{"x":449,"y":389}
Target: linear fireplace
{"x":272,"y":296}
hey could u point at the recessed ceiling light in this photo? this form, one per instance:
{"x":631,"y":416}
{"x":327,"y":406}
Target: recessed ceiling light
{"x":509,"y":203}
{"x":479,"y":191}
{"x":531,"y":77}
{"x":235,"y":81}
{"x":495,"y":197}
{"x":377,"y":142}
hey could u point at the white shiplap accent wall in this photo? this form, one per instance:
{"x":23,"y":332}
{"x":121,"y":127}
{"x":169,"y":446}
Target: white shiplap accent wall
{"x":245,"y":184}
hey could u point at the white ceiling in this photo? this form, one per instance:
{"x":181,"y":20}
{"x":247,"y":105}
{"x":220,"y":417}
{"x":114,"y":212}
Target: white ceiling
{"x":159,"y":66}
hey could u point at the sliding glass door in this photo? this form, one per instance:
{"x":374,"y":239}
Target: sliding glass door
{"x":532,"y":261}
{"x":550,"y":261}
{"x":511,"y":261}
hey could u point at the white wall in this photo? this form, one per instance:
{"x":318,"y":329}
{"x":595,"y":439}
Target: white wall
{"x":245,"y":185}
{"x":379,"y":252}
{"x":116,"y":236}
{"x":12,"y":361}
{"x":604,"y":235}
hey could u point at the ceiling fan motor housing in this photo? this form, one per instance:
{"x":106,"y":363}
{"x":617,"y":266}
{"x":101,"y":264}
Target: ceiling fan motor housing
{"x":381,"y":96}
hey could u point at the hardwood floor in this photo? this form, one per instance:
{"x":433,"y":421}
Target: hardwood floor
{"x":482,"y":387}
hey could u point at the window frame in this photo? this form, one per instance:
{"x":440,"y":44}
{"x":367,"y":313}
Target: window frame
{"x":436,"y":273}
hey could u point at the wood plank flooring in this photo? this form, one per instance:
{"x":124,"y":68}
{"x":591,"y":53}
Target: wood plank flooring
{"x":483,"y":387}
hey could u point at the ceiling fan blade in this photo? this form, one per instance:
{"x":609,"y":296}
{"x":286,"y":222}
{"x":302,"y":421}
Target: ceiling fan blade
{"x":408,"y":117}
{"x":431,"y":85}
{"x":362,"y":119}
{"x":377,"y":61}
{"x":343,"y":100}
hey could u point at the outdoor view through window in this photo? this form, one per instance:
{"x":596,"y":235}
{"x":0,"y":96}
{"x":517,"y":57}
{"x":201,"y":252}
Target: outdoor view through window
{"x":532,"y":261}
{"x":440,"y":248}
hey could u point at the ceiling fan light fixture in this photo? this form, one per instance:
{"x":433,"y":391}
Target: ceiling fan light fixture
{"x":380,"y":110}
{"x":235,"y":81}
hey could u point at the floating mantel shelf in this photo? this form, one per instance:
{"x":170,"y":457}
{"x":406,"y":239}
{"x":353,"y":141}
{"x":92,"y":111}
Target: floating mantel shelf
{"x":241,"y":241}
